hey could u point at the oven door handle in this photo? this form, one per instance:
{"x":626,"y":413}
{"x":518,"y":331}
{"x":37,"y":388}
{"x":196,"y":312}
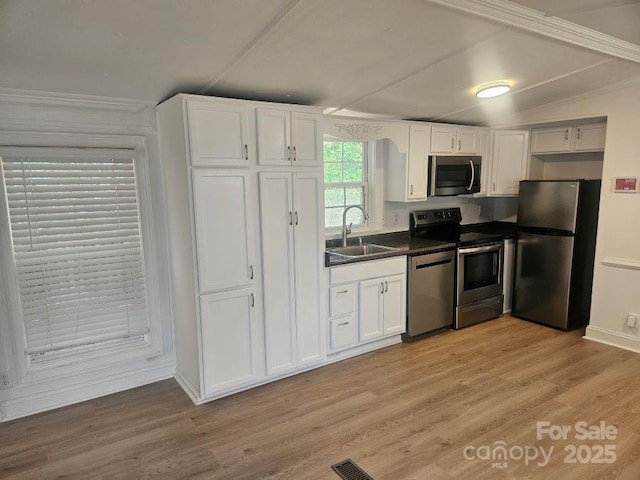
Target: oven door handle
{"x":473,"y":175}
{"x":487,"y":248}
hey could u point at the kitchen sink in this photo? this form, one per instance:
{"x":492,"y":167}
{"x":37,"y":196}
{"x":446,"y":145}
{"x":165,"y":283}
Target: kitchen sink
{"x":360,"y":250}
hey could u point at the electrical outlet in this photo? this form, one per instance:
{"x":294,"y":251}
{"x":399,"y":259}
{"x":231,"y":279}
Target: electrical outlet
{"x":632,"y":320}
{"x":396,"y":217}
{"x":5,"y":380}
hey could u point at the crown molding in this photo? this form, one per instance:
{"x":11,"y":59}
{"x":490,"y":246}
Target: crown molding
{"x":525,"y":18}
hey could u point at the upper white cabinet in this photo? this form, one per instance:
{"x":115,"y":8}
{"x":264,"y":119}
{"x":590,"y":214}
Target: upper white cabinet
{"x":288,"y":137}
{"x":509,"y":161}
{"x":292,"y":262}
{"x":590,"y":137}
{"x":549,"y":140}
{"x":569,"y":138}
{"x":453,"y":139}
{"x":406,"y":175}
{"x":219,"y":134}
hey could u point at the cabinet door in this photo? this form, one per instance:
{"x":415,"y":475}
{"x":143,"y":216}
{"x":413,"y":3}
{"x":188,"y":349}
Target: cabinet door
{"x":306,"y":139}
{"x":276,"y":214}
{"x":509,"y":161}
{"x":467,"y":140}
{"x":218,"y":134}
{"x":395,"y":301}
{"x":308,"y":239}
{"x":417,"y":168}
{"x":442,"y":138}
{"x":550,"y":140}
{"x":231,"y":340}
{"x":370,"y":309}
{"x":274,"y":137}
{"x":224,"y":224}
{"x":591,"y":137}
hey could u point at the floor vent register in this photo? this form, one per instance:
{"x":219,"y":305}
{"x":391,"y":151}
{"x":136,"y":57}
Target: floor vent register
{"x":348,"y":470}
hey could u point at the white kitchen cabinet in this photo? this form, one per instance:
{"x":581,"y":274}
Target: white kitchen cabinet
{"x":551,"y":140}
{"x":344,"y":332}
{"x":219,"y":133}
{"x":226,"y":256}
{"x":406,"y":175}
{"x":291,"y":230}
{"x":456,"y":140}
{"x":232,"y":347}
{"x":590,"y":137}
{"x":289,"y":137}
{"x":577,"y":137}
{"x":379,"y":303}
{"x":509,"y":161}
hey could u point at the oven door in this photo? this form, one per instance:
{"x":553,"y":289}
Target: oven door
{"x":479,"y":272}
{"x":451,"y":175}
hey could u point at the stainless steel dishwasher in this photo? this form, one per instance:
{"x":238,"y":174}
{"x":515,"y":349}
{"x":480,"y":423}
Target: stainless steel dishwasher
{"x":430,"y":292}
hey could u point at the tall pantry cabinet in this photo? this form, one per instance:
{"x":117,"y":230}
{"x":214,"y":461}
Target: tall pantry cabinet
{"x":246,"y":240}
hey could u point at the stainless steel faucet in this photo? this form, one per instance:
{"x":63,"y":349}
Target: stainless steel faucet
{"x":347,"y":230}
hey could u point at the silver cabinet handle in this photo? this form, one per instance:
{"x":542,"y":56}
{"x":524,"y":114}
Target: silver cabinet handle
{"x":473,"y":175}
{"x":381,"y":287}
{"x":452,"y":141}
{"x":246,"y":152}
{"x":289,"y":153}
{"x":411,"y":189}
{"x":386,"y":286}
{"x":459,"y":145}
{"x":251,"y":272}
{"x":566,"y":134}
{"x":295,"y":154}
{"x":578,"y":134}
{"x":342,"y":291}
{"x":253,"y":300}
{"x":296,"y":218}
{"x":343,"y":324}
{"x":290,"y":218}
{"x":494,"y":186}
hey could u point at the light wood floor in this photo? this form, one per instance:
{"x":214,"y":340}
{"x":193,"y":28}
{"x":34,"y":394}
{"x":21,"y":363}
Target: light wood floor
{"x":404,"y":412}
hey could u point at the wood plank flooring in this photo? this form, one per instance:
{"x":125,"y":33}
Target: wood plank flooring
{"x":404,"y":412}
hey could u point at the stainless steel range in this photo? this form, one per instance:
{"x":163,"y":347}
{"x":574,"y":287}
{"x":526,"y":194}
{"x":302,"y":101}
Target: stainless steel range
{"x":480,"y":258}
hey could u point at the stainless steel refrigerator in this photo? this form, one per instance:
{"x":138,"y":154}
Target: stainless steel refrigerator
{"x":555,"y":250}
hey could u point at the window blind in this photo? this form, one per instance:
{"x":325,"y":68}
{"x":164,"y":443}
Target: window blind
{"x":75,"y":228}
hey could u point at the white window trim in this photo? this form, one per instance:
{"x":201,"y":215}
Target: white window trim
{"x":23,"y":370}
{"x":373,"y":196}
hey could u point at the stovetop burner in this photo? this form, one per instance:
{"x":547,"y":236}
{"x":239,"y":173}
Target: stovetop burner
{"x":444,"y":224}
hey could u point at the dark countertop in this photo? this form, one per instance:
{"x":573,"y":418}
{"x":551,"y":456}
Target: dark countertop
{"x":408,"y":245}
{"x":504,"y":229}
{"x":405,"y":244}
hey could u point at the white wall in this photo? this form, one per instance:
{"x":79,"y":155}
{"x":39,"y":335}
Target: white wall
{"x":616,"y":288}
{"x":27,"y":117}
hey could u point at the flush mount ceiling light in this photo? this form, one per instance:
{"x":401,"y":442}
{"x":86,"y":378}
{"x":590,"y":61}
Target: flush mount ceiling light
{"x":493,"y":89}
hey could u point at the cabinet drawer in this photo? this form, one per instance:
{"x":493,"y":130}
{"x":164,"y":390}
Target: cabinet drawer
{"x":344,"y":332}
{"x":342,"y":299}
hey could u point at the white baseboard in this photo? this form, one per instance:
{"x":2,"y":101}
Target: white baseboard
{"x":615,"y":339}
{"x":189,"y":389}
{"x":32,"y":404}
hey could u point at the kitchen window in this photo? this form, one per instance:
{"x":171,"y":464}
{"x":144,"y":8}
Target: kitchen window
{"x":346,"y":181}
{"x":77,"y":249}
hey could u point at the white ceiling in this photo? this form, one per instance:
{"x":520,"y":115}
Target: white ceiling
{"x":400,"y":58}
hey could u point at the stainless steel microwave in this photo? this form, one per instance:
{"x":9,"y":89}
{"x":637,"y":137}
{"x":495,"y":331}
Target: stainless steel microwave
{"x":454,"y":175}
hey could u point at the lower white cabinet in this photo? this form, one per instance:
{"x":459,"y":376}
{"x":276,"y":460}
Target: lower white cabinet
{"x":382,"y":307}
{"x":232,"y":350}
{"x":367,"y":302}
{"x":292,"y":232}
